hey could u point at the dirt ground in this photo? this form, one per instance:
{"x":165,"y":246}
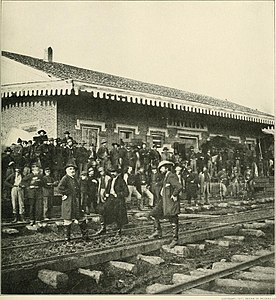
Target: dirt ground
{"x":118,"y":282}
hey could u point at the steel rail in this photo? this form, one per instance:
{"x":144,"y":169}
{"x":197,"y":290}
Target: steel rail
{"x":53,"y":220}
{"x":125,"y":230}
{"x":92,"y":237}
{"x":113,"y":247}
{"x":179,"y":288}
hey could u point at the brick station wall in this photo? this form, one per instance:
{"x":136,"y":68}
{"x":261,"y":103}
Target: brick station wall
{"x":85,"y":107}
{"x":29,"y":112}
{"x":72,"y":108}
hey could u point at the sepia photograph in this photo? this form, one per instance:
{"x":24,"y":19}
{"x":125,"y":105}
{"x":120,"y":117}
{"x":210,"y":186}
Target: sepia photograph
{"x":137,"y":149}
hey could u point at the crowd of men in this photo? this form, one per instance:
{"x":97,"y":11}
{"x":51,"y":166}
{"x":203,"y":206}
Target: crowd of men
{"x":32,"y":169}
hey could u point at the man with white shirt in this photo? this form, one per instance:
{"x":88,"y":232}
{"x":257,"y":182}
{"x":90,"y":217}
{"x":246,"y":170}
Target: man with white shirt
{"x":130,"y":179}
{"x":17,"y":194}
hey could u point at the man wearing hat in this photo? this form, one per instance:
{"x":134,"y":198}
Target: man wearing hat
{"x":33,"y":183}
{"x":58,"y":160}
{"x":70,"y":207}
{"x":154,"y":155}
{"x":114,"y":155}
{"x":48,"y":193}
{"x":114,"y":209}
{"x":169,"y":204}
{"x":166,"y":155}
{"x":103,"y":154}
{"x":191,"y":185}
{"x":18,"y":153}
{"x":66,"y":137}
{"x":144,"y":156}
{"x":6,"y":159}
{"x":13,"y":181}
{"x":82,"y":156}
{"x":42,"y":136}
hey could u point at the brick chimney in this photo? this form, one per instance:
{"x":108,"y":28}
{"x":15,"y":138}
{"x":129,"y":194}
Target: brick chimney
{"x":48,"y":54}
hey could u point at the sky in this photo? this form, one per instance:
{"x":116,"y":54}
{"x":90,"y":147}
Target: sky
{"x":216,"y":48}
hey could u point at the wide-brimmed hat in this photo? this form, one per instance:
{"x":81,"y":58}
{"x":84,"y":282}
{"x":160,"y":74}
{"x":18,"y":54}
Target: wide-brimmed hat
{"x":83,"y":172}
{"x":103,"y":141}
{"x":41,"y":130}
{"x":165,"y":163}
{"x":66,"y":132}
{"x":19,"y":140}
{"x":165,"y":148}
{"x":51,"y":139}
{"x":113,"y":144}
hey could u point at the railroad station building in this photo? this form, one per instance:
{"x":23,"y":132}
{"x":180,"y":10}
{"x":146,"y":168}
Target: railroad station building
{"x":41,"y":93}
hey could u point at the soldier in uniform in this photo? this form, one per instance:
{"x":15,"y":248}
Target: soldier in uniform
{"x":169,"y":204}
{"x":70,"y":208}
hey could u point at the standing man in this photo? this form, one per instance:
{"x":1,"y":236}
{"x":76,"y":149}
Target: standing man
{"x":204,"y":182}
{"x":114,"y":206}
{"x":169,"y":204}
{"x":13,"y":181}
{"x":103,"y":154}
{"x":70,"y":207}
{"x":115,"y":155}
{"x":191,"y":182}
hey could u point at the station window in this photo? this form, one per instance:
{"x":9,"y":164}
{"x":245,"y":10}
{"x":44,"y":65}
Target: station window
{"x":158,"y":138}
{"x":90,"y":135}
{"x":126,"y":135}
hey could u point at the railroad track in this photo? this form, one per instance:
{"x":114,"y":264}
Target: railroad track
{"x":215,"y":274}
{"x":28,"y":269}
{"x":184,"y":225}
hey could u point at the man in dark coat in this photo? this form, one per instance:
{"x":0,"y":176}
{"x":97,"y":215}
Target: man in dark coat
{"x":114,"y":155}
{"x":82,"y":157}
{"x":191,"y":185}
{"x":103,"y":154}
{"x":48,"y":193}
{"x":33,"y":183}
{"x":70,"y":208}
{"x":58,"y":160}
{"x":114,"y":209}
{"x":169,"y":204}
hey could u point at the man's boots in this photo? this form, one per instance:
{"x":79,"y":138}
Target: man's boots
{"x":14,"y":218}
{"x":140,"y":203}
{"x":157,"y":230}
{"x":174,"y":241}
{"x":67,"y":232}
{"x":102,"y":229}
{"x":84,"y":231}
{"x":22,"y":218}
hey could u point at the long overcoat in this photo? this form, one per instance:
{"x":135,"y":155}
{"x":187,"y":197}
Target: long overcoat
{"x":171,"y":187}
{"x":70,"y":207}
{"x":114,"y":209}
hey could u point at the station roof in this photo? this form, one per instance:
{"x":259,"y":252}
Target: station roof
{"x":90,"y":77}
